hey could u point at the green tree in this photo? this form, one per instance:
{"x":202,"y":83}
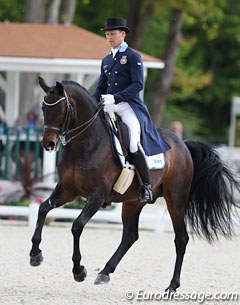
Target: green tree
{"x":12,"y":10}
{"x":207,"y":70}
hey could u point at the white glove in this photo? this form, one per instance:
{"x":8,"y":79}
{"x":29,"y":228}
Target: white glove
{"x":108,"y":99}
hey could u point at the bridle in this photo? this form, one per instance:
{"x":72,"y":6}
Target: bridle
{"x":64,"y":132}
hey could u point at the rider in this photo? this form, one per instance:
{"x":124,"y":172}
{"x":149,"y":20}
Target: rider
{"x":119,"y":85}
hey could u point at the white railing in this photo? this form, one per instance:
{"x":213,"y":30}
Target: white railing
{"x":158,"y":221}
{"x":31,"y":212}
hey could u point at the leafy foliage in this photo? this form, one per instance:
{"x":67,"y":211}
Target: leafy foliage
{"x":207,"y":68}
{"x":12,"y":10}
{"x":209,"y":59}
{"x":26,"y":187}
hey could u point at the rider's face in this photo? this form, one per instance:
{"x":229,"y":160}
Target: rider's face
{"x":115,"y":37}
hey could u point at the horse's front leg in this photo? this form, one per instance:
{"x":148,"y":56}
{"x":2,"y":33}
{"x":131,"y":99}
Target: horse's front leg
{"x":130,"y":218}
{"x":92,"y":206}
{"x":57,"y":198}
{"x":36,"y":254}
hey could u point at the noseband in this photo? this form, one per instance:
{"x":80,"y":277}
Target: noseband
{"x":64,"y":132}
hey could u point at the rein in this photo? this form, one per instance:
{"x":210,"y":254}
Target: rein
{"x":65,"y":133}
{"x":85,"y":126}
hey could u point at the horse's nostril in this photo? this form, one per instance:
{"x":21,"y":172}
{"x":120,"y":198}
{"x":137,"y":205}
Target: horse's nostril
{"x":50,"y":146}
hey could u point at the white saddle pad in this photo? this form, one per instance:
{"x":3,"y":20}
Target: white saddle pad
{"x":156,"y":162}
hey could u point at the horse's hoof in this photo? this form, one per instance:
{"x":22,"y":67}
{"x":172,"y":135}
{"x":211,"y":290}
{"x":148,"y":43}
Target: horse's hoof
{"x":102,"y":279}
{"x":81,"y":276}
{"x":36,"y":260}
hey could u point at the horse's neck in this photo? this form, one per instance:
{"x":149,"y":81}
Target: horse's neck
{"x":91,"y":147}
{"x":96,"y":134}
{"x":86,"y":109}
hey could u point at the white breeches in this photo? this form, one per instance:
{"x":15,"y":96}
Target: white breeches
{"x":128,"y":117}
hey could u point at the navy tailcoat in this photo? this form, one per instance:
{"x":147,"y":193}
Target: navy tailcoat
{"x":122,"y":76}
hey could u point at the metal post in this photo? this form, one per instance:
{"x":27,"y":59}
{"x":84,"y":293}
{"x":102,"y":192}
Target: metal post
{"x":33,"y":214}
{"x":235,"y":110}
{"x":6,"y":154}
{"x":49,"y":165}
{"x":17,"y":151}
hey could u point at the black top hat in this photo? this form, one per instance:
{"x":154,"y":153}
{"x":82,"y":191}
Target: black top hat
{"x":115,"y":24}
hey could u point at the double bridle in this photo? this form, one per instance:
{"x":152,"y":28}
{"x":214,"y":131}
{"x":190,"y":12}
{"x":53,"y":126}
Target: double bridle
{"x":64,"y":132}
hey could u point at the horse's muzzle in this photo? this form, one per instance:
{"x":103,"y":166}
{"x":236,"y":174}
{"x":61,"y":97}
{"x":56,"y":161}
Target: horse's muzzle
{"x":50,"y":138}
{"x":50,"y":143}
{"x":50,"y":146}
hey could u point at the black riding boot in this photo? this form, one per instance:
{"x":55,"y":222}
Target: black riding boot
{"x":141,"y":166}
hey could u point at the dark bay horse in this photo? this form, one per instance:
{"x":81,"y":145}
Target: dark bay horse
{"x":197,"y":186}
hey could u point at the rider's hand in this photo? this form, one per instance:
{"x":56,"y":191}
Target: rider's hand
{"x":108,"y":99}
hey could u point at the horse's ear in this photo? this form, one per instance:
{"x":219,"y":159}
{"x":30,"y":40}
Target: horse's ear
{"x":43,"y":85}
{"x":59,"y":87}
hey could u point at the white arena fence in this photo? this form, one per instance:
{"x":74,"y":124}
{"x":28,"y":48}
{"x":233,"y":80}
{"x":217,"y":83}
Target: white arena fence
{"x":158,"y":220}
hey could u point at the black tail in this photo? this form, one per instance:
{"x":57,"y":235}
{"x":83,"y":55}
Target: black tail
{"x":211,"y":198}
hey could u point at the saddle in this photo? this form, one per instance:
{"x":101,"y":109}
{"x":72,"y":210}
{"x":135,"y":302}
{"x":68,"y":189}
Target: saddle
{"x":121,"y":141}
{"x":120,"y":134}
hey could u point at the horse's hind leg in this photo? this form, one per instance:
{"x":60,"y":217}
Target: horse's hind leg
{"x":57,"y":198}
{"x":177,"y":212}
{"x":130,"y":218}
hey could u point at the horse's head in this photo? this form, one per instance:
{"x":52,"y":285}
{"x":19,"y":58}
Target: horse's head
{"x":69,"y":110}
{"x":56,"y":111}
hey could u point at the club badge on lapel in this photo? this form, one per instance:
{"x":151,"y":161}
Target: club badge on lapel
{"x":123,"y":60}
